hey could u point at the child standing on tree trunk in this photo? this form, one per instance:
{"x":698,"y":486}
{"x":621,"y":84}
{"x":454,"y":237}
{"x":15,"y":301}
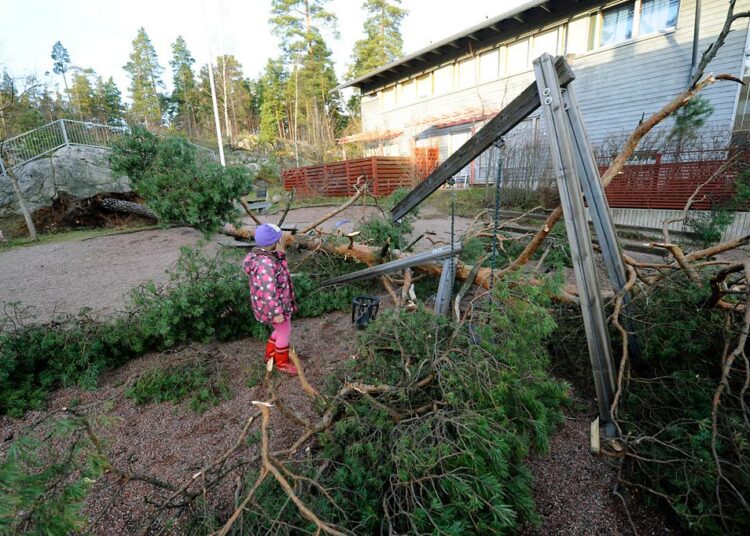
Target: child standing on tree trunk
{"x":271,"y":292}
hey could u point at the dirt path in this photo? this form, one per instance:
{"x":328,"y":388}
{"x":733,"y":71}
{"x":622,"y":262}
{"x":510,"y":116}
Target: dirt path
{"x":97,"y":273}
{"x":573,"y":489}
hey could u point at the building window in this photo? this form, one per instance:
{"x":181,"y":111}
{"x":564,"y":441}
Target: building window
{"x":636,"y":18}
{"x":444,"y":80}
{"x":424,"y":86}
{"x":408,"y":93}
{"x":389,"y":99}
{"x":617,"y":24}
{"x":742,"y":119}
{"x":518,"y":57}
{"x":488,"y":66}
{"x":658,"y":15}
{"x":545,"y":42}
{"x":467,"y":74}
{"x":578,"y":36}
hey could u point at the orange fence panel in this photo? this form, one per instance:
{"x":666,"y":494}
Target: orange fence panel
{"x":337,"y":179}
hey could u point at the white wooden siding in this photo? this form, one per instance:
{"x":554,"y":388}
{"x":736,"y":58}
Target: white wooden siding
{"x":653,"y":220}
{"x":615,"y":85}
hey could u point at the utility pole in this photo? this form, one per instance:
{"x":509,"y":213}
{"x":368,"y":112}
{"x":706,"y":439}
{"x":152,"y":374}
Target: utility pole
{"x":296,"y":109}
{"x":216,"y":112}
{"x":213,"y":93}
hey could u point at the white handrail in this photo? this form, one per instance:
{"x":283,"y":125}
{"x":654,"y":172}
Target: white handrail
{"x":24,"y":148}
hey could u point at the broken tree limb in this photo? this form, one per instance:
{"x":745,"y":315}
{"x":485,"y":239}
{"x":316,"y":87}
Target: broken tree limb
{"x":270,"y":466}
{"x":466,"y":286}
{"x":679,"y":256}
{"x":644,"y":128}
{"x":353,"y":199}
{"x":710,"y":53}
{"x":684,"y":214}
{"x":719,"y":248}
{"x":696,"y":84}
{"x":532,"y":246}
{"x":249,"y":212}
{"x":369,"y":256}
{"x":289,"y":200}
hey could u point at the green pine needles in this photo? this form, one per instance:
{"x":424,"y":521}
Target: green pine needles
{"x":179,"y":184}
{"x":197,"y":379}
{"x":443,"y":451}
{"x":206,"y":299}
{"x":42,"y":489}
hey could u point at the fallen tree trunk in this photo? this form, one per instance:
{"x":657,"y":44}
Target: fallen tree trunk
{"x":371,"y":256}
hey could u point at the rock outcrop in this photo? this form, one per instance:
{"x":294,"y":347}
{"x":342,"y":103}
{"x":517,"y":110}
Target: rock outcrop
{"x":79,"y":171}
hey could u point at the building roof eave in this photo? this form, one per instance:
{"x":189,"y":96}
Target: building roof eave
{"x":492,"y":23}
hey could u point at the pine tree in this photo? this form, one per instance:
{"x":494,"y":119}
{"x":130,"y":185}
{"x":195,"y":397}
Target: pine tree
{"x":109,"y":107}
{"x":183,"y":100}
{"x":61,"y":63}
{"x":228,"y":76}
{"x":82,"y":95}
{"x":145,"y":79}
{"x":299,"y":22}
{"x":18,"y":107}
{"x":383,"y":42}
{"x":313,"y":109}
{"x":273,"y":105}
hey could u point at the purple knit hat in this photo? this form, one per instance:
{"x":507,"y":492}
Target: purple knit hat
{"x":267,"y":234}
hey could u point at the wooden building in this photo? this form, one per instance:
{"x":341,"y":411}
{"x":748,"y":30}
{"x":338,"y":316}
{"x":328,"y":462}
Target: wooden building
{"x":630,"y":57}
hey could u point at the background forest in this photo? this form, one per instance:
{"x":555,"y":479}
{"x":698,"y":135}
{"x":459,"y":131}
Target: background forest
{"x":292,"y":108}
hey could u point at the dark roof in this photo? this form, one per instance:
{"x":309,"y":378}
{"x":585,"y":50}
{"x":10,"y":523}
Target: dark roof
{"x":520,"y":20}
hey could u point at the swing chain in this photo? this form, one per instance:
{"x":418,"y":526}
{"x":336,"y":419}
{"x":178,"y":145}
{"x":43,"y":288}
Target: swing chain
{"x":499,"y":145}
{"x":452,"y":183}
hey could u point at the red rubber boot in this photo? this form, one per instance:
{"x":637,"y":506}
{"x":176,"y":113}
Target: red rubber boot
{"x":270,"y":348}
{"x":281,"y":359}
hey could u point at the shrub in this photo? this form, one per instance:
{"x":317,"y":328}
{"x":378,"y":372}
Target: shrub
{"x":206,"y":298}
{"x":42,"y":490}
{"x":378,"y":229}
{"x":666,"y":410}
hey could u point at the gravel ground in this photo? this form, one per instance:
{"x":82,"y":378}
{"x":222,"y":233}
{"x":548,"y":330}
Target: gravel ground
{"x":171,"y":442}
{"x":97,"y":273}
{"x":572,"y":488}
{"x":100,"y":272}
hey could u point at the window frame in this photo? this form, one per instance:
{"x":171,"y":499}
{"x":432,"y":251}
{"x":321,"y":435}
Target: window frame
{"x":636,"y":25}
{"x":663,"y":30}
{"x":472,"y":64}
{"x":508,"y":47}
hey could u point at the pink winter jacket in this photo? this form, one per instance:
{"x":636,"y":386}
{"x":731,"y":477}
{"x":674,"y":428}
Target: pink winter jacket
{"x":271,"y":291}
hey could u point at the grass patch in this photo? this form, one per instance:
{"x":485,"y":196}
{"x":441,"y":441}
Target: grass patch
{"x":469,"y":201}
{"x":200,"y":380}
{"x":69,"y":236}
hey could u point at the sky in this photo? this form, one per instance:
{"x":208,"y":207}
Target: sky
{"x":99,"y":33}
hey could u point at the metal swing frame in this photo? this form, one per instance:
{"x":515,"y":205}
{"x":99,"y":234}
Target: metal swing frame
{"x":577,"y":175}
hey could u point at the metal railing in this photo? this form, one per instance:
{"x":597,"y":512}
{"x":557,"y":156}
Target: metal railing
{"x":47,"y":139}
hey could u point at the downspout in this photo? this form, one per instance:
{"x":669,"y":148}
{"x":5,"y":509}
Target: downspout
{"x":696,"y":37}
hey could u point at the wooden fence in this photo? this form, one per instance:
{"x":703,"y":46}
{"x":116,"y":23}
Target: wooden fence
{"x":337,"y":179}
{"x":666,"y":181}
